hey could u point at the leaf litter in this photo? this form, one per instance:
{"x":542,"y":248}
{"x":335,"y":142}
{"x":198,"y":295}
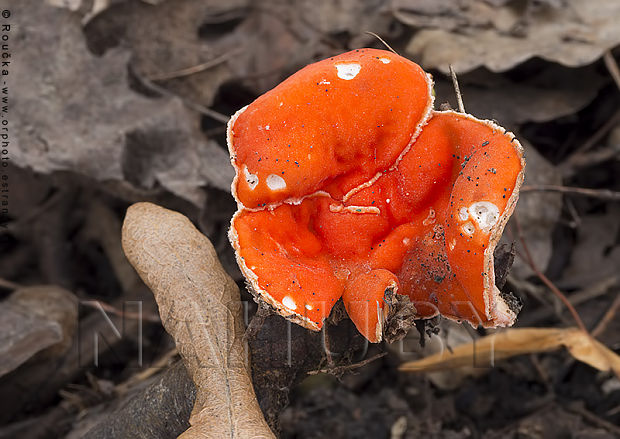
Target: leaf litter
{"x":103,"y":117}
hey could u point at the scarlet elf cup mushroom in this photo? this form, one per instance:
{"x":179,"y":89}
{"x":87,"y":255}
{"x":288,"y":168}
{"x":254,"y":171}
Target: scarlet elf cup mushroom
{"x":349,"y":185}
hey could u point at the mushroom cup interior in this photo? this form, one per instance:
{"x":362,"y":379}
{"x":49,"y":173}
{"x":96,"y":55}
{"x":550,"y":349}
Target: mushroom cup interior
{"x":349,"y":185}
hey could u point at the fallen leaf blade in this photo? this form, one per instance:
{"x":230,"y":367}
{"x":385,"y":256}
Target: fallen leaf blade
{"x":485,"y":351}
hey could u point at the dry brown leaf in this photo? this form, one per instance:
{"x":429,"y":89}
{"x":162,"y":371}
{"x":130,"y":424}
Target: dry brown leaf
{"x":352,"y":16}
{"x":35,"y":320}
{"x":596,"y":254}
{"x":200,"y":307}
{"x":549,"y":93}
{"x":469,"y":34}
{"x":168,"y":37}
{"x":485,"y":351}
{"x":86,"y":8}
{"x":279,"y":37}
{"x":75,"y":112}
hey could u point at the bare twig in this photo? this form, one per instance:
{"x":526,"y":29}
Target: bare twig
{"x":579,"y":409}
{"x":542,"y":373}
{"x":614,"y":411}
{"x":546,"y":281}
{"x":598,"y":135}
{"x":572,"y":211}
{"x":382,"y":41}
{"x":340,"y":369}
{"x":592,"y":292}
{"x":47,"y":206}
{"x":97,"y":304}
{"x":605,"y":194}
{"x":262,"y":312}
{"x":9,"y":285}
{"x":592,"y":158}
{"x":145,"y":374}
{"x":146,"y":82}
{"x":612,"y":66}
{"x":457,"y":90}
{"x":197,"y":68}
{"x":575,"y":157}
{"x":609,"y":315}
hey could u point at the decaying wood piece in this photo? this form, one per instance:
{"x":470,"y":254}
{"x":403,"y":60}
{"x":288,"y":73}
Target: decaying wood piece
{"x":200,"y":307}
{"x":159,"y":410}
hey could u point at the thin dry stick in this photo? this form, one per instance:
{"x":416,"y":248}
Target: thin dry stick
{"x":341,"y":369}
{"x":572,"y":211}
{"x":546,"y":281}
{"x":97,"y":304}
{"x":594,"y":418}
{"x":591,"y":158}
{"x":197,"y":68}
{"x":614,"y":411}
{"x":9,"y":285}
{"x":193,"y":105}
{"x":145,"y":374}
{"x":612,"y":66}
{"x":600,"y":133}
{"x":609,"y":315}
{"x":457,"y":90}
{"x":614,"y":71}
{"x":592,"y":292}
{"x":262,"y":312}
{"x":605,"y":194}
{"x":382,"y":40}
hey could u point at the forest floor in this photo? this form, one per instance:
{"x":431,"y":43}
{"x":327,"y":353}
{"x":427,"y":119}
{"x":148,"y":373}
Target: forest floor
{"x":129,"y":103}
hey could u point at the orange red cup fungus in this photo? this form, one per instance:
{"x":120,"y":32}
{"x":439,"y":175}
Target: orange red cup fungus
{"x":349,"y":184}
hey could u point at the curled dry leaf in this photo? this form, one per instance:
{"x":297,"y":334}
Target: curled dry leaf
{"x":35,"y":320}
{"x":484,"y":351}
{"x":200,"y":307}
{"x":472,"y":33}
